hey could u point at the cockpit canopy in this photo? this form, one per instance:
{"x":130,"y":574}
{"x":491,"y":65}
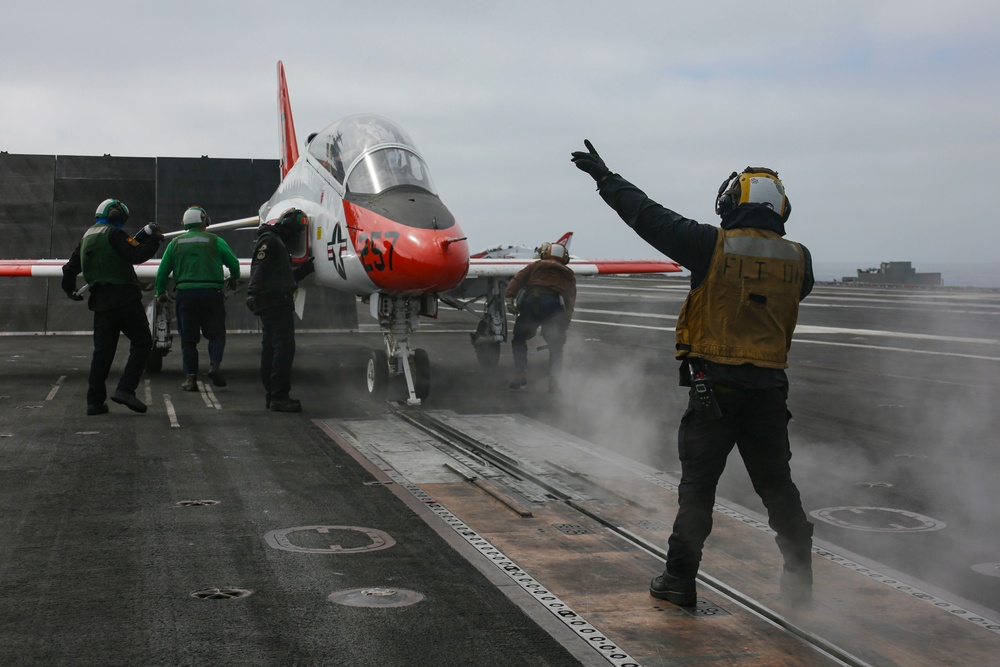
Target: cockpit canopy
{"x":371,"y":154}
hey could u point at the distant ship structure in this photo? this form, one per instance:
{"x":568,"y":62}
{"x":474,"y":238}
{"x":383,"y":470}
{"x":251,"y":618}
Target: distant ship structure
{"x":895,"y":273}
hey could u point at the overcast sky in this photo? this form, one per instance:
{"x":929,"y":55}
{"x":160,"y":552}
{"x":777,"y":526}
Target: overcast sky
{"x":881,"y":116}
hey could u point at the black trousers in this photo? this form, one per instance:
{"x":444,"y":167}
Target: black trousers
{"x":129,"y":319}
{"x":756,"y":422}
{"x":201,"y":312}
{"x":277,"y":350}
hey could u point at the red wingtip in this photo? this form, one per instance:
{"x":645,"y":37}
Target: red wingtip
{"x":289,"y":144}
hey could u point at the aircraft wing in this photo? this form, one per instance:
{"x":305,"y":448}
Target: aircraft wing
{"x":32,"y":268}
{"x":52,"y":268}
{"x":500,"y":268}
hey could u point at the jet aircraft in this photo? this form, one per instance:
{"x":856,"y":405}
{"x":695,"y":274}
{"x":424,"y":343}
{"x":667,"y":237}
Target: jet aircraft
{"x":377,"y":229}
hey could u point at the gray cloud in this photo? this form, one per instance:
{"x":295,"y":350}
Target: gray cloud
{"x":879,"y":116}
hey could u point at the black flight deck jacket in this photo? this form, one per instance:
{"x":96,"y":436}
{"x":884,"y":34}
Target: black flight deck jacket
{"x":692,"y":244}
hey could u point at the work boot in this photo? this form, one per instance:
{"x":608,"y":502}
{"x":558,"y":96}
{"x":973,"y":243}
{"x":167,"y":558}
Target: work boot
{"x":284,"y":405}
{"x":191,"y":384}
{"x":215,"y":375}
{"x":681,"y":592}
{"x":519,"y":380}
{"x":796,"y":588}
{"x":128,"y":400}
{"x":101,"y":409}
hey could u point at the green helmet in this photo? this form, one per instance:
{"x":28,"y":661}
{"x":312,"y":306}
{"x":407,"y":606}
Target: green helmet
{"x":113,"y":211}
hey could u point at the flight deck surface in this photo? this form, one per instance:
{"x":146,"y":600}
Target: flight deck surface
{"x":210,"y":531}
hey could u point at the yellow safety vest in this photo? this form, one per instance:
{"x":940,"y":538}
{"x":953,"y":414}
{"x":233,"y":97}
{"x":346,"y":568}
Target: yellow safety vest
{"x":745,"y":310}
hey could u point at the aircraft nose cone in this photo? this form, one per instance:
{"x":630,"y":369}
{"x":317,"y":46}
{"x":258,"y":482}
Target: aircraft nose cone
{"x":409,"y":243}
{"x":425,"y":262}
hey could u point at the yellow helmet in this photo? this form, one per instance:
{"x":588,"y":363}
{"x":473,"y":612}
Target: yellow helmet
{"x":756,"y":186}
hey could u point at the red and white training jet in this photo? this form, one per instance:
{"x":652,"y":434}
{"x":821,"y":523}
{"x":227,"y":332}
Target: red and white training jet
{"x":378,"y":230}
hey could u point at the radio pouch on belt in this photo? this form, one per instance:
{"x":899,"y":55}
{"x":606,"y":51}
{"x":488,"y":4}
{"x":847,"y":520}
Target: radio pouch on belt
{"x":703,"y":390}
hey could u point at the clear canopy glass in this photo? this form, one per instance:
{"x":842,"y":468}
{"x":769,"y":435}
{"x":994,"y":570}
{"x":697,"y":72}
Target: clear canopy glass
{"x":371,"y":154}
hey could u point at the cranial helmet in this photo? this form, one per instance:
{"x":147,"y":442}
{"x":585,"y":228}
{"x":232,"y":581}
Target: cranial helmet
{"x":755,"y":186}
{"x":113,"y":211}
{"x":292,"y":223}
{"x":195,"y":217}
{"x":556,"y":251}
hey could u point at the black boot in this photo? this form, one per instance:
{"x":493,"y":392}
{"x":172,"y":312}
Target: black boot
{"x":796,"y":575}
{"x":190,"y":384}
{"x":681,"y":592}
{"x":797,"y":587}
{"x":215,"y":375}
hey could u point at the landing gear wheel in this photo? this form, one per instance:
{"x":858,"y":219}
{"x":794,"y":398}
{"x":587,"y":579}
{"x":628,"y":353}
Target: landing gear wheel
{"x":154,"y":364}
{"x":378,"y":375}
{"x":487,"y":354}
{"x":421,"y":373}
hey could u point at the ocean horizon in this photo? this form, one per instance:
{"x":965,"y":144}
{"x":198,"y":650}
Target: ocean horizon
{"x":953,"y":274}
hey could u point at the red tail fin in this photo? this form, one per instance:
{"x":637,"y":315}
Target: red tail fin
{"x":565,"y":240}
{"x":289,"y":144}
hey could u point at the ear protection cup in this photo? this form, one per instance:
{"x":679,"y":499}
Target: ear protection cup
{"x":293,"y":223}
{"x":196,"y":215}
{"x":754,"y":186}
{"x":113,"y":210}
{"x":724,"y":200}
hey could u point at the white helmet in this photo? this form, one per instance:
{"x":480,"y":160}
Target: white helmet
{"x":195,"y":217}
{"x":113,"y":211}
{"x":556,"y":251}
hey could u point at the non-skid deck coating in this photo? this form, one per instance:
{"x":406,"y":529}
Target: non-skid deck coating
{"x":590,"y":576}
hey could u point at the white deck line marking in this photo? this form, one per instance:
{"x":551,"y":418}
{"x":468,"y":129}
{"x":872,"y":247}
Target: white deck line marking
{"x":833,"y":330}
{"x":55,"y":388}
{"x":171,"y":413}
{"x":208,"y":396}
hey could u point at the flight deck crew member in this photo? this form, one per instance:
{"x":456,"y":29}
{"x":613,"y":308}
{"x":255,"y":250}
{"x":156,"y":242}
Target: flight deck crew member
{"x":271,"y":297}
{"x":542,"y":294}
{"x":733,"y":335}
{"x":105,"y":256}
{"x":196,"y":260}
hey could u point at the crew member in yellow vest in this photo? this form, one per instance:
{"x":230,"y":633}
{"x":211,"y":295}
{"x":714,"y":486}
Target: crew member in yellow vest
{"x":105,"y":256}
{"x":733,"y":336}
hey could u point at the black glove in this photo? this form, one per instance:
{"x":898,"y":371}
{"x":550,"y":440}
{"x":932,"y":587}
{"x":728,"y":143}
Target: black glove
{"x":591,"y":163}
{"x":73,"y":296}
{"x":252,"y":303}
{"x":306,"y":269}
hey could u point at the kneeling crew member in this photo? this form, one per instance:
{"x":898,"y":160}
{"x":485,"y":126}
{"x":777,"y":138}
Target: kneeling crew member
{"x":733,"y":335}
{"x":547,"y":301}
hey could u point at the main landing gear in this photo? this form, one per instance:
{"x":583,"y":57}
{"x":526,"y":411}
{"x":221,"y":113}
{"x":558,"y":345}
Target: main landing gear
{"x":491,"y":332}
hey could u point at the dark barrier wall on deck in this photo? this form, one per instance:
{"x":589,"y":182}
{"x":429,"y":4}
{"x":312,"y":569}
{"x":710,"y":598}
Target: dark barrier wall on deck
{"x":47,"y":202}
